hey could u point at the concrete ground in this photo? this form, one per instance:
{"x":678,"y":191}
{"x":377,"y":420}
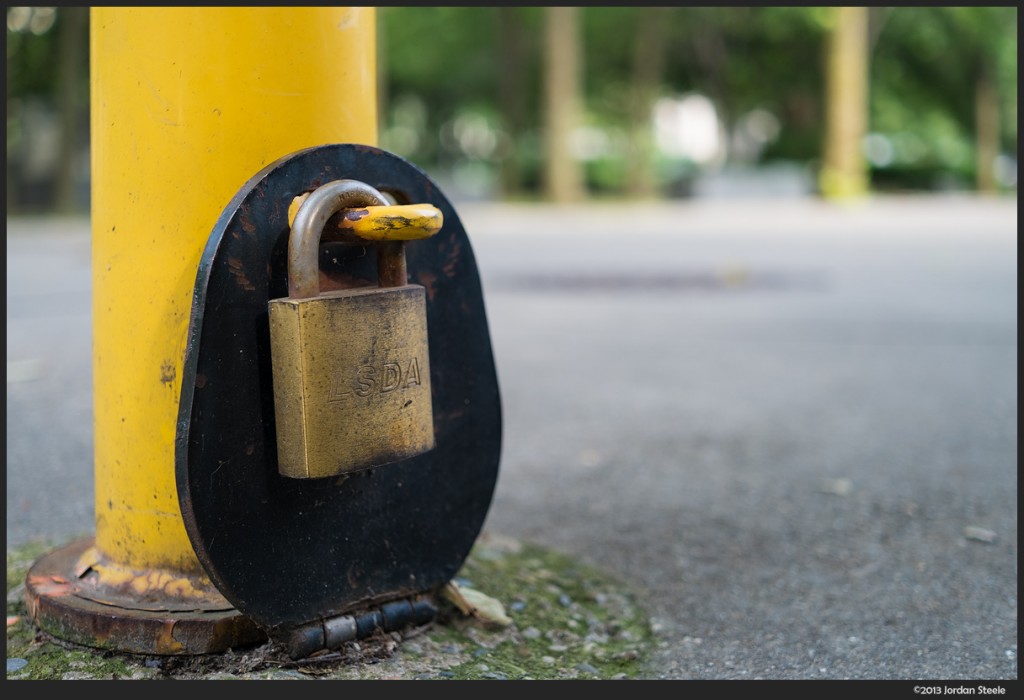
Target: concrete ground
{"x":790,"y":426}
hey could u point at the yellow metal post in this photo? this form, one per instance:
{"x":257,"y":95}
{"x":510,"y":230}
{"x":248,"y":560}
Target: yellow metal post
{"x":187,"y":104}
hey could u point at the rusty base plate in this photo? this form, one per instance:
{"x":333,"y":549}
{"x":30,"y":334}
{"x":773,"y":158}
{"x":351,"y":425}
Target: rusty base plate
{"x":72,"y":604}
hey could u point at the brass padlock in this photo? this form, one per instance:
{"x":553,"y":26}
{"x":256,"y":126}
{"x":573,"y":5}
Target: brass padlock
{"x":351,"y":368}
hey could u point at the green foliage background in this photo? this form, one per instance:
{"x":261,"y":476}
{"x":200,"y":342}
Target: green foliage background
{"x":441,"y":63}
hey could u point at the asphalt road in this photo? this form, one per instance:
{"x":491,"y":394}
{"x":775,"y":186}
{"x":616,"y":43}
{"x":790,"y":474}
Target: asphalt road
{"x":789,"y":426}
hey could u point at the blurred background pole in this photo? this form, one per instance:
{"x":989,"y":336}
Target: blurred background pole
{"x":986,"y":117}
{"x":844,"y":172}
{"x":187,"y":104}
{"x":512,"y":88}
{"x":72,"y":101}
{"x":563,"y":175}
{"x":648,"y":74}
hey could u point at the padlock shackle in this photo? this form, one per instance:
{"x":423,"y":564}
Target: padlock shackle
{"x":304,"y":240}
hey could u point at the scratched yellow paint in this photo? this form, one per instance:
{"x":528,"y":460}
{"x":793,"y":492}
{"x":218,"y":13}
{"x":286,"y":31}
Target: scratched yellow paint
{"x":150,"y":583}
{"x":188,"y":103}
{"x":399,"y":222}
{"x":392,"y":222}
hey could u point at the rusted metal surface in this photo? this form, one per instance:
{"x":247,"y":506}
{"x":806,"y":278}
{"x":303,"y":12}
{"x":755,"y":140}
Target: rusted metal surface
{"x":392,"y":270}
{"x":74,"y":604}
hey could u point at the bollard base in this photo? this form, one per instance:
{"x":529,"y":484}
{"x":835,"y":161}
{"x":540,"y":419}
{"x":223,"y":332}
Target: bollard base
{"x":69,"y":597}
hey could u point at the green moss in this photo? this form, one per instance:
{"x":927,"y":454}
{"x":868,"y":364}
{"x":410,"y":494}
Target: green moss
{"x":568,"y":621}
{"x":20,"y":634}
{"x":47,"y":661}
{"x":18,"y":562}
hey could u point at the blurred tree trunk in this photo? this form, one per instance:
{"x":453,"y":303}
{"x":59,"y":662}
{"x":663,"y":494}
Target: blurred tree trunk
{"x":711,"y":55}
{"x":844,"y":172}
{"x":562,"y":86}
{"x":986,"y":110}
{"x":511,"y":90}
{"x":648,"y":68}
{"x":72,"y":49}
{"x":12,"y":191}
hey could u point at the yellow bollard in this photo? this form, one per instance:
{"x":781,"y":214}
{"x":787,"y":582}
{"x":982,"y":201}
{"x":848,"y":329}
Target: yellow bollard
{"x":188,"y":103}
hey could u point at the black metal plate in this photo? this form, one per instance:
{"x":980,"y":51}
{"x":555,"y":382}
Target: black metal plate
{"x":284,"y":551}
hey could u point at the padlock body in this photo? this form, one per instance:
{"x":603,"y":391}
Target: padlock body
{"x":351,"y":375}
